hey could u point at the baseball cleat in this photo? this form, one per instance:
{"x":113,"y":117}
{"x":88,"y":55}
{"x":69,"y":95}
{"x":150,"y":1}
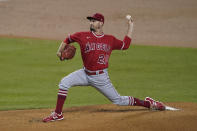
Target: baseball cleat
{"x":155,"y":105}
{"x":53,"y":117}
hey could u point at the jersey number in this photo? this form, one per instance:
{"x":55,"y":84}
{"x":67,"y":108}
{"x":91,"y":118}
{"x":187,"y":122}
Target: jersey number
{"x":103,"y":59}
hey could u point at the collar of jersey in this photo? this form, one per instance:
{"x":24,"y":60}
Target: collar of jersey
{"x":98,"y":36}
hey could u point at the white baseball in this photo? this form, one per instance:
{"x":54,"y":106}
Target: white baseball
{"x":128,"y":17}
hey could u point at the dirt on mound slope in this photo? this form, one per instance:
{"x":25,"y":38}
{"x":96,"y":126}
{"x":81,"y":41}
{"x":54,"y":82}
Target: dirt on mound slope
{"x":104,"y":118}
{"x":157,"y":22}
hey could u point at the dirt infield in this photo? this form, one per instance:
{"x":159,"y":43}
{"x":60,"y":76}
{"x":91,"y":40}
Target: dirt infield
{"x":157,"y":22}
{"x":104,"y":118}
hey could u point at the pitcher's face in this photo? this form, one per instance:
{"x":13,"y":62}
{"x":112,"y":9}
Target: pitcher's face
{"x":95,"y":25}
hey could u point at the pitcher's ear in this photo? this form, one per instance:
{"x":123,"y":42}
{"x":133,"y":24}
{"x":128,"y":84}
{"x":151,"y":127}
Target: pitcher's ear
{"x":101,"y":23}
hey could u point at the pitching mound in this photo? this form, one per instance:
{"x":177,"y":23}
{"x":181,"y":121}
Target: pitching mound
{"x":105,"y":118}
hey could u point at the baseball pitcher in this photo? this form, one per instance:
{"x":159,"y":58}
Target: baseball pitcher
{"x":96,"y":48}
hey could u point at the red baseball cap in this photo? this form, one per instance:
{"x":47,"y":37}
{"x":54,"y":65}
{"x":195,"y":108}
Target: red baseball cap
{"x":97,"y":16}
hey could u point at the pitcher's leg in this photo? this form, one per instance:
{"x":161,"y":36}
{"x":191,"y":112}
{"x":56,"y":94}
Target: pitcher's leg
{"x":77,"y":78}
{"x":74,"y":79}
{"x":111,"y":93}
{"x":103,"y":84}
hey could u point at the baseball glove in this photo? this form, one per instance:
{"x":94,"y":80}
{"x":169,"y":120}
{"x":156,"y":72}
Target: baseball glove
{"x":68,"y":52}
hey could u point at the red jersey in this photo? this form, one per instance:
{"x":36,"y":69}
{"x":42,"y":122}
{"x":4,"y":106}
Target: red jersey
{"x":96,"y":49}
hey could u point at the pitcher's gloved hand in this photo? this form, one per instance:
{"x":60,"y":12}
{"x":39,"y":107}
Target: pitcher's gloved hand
{"x":68,"y":52}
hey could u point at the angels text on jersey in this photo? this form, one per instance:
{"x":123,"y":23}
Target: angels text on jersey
{"x":96,"y":46}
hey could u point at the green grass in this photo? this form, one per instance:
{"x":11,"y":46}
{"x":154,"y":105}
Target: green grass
{"x":30,"y":72}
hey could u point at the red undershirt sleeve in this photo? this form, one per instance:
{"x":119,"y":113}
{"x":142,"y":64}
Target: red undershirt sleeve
{"x":121,"y":45}
{"x":73,"y":38}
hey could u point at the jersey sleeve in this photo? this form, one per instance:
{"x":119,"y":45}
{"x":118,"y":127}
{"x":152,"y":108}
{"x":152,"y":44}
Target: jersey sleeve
{"x":73,"y":38}
{"x":121,"y":45}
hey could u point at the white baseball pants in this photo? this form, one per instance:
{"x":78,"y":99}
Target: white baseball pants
{"x":101,"y":82}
